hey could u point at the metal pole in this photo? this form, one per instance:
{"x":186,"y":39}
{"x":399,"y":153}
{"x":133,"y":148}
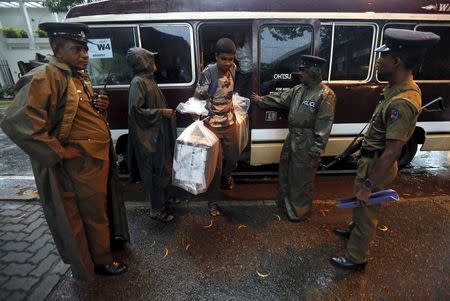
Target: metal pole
{"x":56,"y":17}
{"x":23,"y":8}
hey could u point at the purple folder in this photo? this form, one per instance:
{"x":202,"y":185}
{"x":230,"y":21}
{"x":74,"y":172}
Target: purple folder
{"x":388,"y":195}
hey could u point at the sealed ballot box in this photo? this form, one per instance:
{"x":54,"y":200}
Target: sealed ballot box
{"x":195,"y":160}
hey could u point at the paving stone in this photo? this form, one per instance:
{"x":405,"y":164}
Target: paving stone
{"x":42,"y":253}
{"x":3,"y":279}
{"x":13,"y":219}
{"x":10,"y":205}
{"x":17,"y":236}
{"x":28,"y":207}
{"x":44,"y":288}
{"x":34,"y":225}
{"x":4,"y":294}
{"x":17,"y":246}
{"x":17,"y":296}
{"x":21,"y":269}
{"x":13,"y":227}
{"x":18,"y":257}
{"x":20,"y":283}
{"x":60,"y":268}
{"x":44,"y":266}
{"x":11,"y":213}
{"x":39,"y":243}
{"x":31,"y":218}
{"x":36,"y":234}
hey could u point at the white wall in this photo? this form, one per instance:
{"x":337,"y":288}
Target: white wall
{"x":12,"y":17}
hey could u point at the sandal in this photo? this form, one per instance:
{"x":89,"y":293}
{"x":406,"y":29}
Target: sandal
{"x":163,"y":216}
{"x":214,"y":210}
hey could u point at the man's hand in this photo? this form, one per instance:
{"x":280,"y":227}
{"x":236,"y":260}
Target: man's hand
{"x":363,"y":196}
{"x":255,"y":98}
{"x":101,"y":102}
{"x":71,"y":152}
{"x":167,"y":113}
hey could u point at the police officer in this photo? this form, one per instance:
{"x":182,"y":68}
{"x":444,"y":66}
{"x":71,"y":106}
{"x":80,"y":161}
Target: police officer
{"x":391,"y":126}
{"x":58,"y":120}
{"x":311,"y":114}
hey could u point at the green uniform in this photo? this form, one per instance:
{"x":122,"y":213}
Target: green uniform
{"x":311,"y":115}
{"x":394,"y":118}
{"x":81,"y":197}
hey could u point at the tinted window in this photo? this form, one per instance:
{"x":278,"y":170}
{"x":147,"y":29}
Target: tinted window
{"x":108,"y":53}
{"x":436,"y":64}
{"x":326,"y":32}
{"x":281,"y":46}
{"x":173,"y":44}
{"x":351,"y":52}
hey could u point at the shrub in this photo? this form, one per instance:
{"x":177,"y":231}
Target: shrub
{"x":11,"y":32}
{"x":41,"y":33}
{"x":7,"y":91}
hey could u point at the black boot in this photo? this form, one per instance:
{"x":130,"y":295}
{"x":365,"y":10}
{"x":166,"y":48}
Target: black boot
{"x":344,"y":263}
{"x":113,"y":269}
{"x":227,"y":183}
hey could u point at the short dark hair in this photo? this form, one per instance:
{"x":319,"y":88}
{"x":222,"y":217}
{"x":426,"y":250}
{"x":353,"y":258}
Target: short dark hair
{"x":225,"y":45}
{"x":412,"y":60}
{"x":60,"y":42}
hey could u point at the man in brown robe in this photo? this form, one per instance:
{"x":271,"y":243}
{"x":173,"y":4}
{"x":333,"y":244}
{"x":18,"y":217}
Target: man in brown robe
{"x":58,"y":121}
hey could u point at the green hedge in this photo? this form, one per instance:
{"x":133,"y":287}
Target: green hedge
{"x":11,"y":32}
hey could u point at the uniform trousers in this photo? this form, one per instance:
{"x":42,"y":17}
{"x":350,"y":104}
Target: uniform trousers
{"x":86,"y":207}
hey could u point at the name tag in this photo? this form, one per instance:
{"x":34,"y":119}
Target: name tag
{"x":309,"y":103}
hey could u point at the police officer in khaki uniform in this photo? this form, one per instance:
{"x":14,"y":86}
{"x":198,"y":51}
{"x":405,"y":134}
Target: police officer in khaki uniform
{"x":391,"y":126}
{"x":58,"y":120}
{"x":311,"y":114}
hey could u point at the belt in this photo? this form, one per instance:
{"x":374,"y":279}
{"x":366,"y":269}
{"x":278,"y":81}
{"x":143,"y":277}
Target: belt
{"x":371,"y":153}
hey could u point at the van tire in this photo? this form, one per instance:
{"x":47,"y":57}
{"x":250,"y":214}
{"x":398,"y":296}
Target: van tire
{"x":409,"y":150}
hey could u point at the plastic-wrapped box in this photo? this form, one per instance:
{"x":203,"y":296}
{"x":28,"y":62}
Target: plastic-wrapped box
{"x":195,"y":159}
{"x":241,"y":106}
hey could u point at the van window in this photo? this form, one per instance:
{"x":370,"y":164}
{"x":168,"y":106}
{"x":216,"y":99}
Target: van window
{"x":107,"y":54}
{"x":352,"y":52}
{"x":173,"y":43}
{"x":281,"y":46}
{"x":436,"y":63}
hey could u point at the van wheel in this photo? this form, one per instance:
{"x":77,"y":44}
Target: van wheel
{"x":408,"y":152}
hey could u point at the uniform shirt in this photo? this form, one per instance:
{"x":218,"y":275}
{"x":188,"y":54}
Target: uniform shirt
{"x":89,"y":131}
{"x":310,"y":107}
{"x":395,"y":116}
{"x":219,"y":105}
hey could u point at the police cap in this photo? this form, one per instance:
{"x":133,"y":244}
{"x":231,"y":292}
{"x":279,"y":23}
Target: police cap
{"x":407,"y":40}
{"x":71,"y":31}
{"x":311,"y":61}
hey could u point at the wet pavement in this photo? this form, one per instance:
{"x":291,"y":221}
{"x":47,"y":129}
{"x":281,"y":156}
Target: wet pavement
{"x":249,"y":254}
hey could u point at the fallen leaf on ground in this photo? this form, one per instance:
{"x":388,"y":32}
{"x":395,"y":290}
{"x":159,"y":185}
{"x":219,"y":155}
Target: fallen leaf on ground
{"x":188,"y":246}
{"x":324,"y":211}
{"x":19,"y":217}
{"x":166,"y":252}
{"x":262,"y":275}
{"x":210,"y":225}
{"x":383,"y":228}
{"x":241,"y":226}
{"x":152,"y":244}
{"x":277,"y":217}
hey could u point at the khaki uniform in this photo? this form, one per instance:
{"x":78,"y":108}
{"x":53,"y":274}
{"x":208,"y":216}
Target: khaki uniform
{"x":311,"y":115}
{"x":394,"y":118}
{"x":81,"y":197}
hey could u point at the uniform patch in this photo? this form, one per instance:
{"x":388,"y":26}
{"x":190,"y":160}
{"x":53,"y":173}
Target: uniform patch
{"x":309,"y":103}
{"x":392,"y":116}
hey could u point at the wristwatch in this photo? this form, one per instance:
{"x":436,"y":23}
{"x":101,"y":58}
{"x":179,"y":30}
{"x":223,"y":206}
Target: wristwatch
{"x":368,"y":184}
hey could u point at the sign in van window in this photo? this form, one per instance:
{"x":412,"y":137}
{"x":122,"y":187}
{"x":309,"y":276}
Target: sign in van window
{"x":107,"y":56}
{"x":281,"y":46}
{"x":100,"y":48}
{"x":174,"y":46}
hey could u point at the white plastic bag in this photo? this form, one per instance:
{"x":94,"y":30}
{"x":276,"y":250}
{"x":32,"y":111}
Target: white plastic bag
{"x":193,"y":106}
{"x":241,"y":106}
{"x":195,"y":159}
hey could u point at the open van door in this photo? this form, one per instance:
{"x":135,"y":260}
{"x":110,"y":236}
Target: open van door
{"x":279,"y":46}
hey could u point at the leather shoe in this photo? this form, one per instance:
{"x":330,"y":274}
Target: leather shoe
{"x":345,"y":263}
{"x":113,"y":269}
{"x":344,"y":233}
